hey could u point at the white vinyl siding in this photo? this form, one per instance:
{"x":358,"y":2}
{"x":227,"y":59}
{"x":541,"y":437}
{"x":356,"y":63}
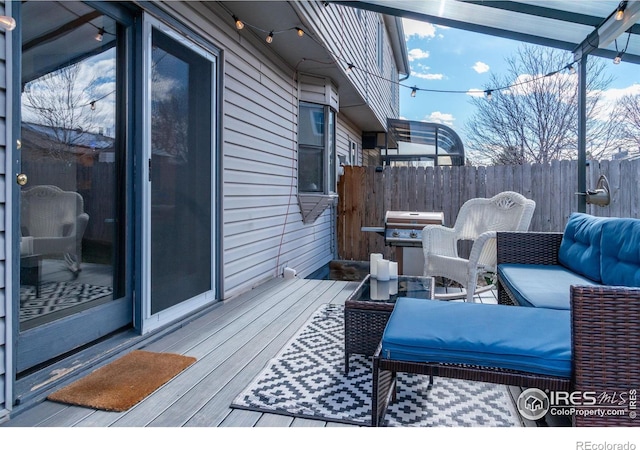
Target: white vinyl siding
{"x":262,"y":226}
{"x":375,"y":85}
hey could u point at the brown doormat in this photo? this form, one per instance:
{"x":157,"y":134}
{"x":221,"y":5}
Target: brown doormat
{"x":124,"y":382}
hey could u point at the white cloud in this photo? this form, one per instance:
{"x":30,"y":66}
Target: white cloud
{"x":473,"y":92}
{"x":440,"y":117}
{"x":428,"y":76}
{"x":419,"y":29}
{"x":611,"y":96}
{"x":417,"y":53}
{"x":481,"y":67}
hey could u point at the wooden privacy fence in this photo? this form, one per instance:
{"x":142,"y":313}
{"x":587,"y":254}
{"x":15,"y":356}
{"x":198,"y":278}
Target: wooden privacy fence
{"x":365,"y":194}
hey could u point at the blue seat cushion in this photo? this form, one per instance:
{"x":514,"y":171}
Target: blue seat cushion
{"x":541,"y":285}
{"x":534,"y":340}
{"x":580,"y":246}
{"x":621,"y":253}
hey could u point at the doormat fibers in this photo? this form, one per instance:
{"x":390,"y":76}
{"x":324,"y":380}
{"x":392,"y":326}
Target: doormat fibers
{"x":125,"y":382}
{"x":306,"y":379}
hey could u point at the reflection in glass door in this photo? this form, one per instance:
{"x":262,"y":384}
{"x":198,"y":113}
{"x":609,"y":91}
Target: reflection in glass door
{"x":180,"y":172}
{"x":71,"y":201}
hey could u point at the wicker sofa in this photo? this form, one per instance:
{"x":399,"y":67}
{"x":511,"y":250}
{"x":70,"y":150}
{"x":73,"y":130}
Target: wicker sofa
{"x":586,"y":340}
{"x":538,"y":269}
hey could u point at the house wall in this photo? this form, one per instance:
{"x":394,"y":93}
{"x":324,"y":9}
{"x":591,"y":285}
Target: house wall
{"x":263,"y":230}
{"x":262,"y":225}
{"x":5,"y":227}
{"x":331,"y":24}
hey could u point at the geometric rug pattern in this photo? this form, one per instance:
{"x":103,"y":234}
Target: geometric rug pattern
{"x":55,"y":296}
{"x":307,"y":379}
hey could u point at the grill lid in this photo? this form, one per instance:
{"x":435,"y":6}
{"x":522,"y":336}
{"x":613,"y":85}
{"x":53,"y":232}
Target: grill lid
{"x":409,"y":219}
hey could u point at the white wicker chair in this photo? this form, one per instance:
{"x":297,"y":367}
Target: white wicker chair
{"x":53,"y":222}
{"x":478,"y":221}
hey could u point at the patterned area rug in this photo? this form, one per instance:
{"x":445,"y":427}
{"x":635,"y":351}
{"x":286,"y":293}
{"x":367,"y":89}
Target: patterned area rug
{"x":56,"y":296}
{"x":306,"y":379}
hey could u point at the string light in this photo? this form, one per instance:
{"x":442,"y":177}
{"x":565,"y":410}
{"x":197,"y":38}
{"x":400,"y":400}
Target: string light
{"x":239,"y":23}
{"x":8,"y":23}
{"x":93,"y":105}
{"x":100,"y":35}
{"x":620,"y":11}
{"x":414,"y":89}
{"x":619,"y":53}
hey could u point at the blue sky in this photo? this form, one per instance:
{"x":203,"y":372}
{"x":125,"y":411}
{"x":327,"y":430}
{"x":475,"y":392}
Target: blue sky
{"x":450,"y":59}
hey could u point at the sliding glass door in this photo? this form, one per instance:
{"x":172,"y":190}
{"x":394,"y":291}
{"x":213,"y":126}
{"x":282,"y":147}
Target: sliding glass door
{"x":73,"y":167}
{"x":179,"y":196}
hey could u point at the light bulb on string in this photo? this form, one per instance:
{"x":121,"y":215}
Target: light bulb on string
{"x":100,"y":35}
{"x":620,"y":10}
{"x":270,"y":37}
{"x":239,"y":23}
{"x":8,"y":23}
{"x":414,"y":91}
{"x":300,"y":31}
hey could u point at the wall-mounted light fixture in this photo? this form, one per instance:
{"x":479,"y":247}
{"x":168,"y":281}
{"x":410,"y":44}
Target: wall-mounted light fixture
{"x":601,"y":194}
{"x":7,"y":23}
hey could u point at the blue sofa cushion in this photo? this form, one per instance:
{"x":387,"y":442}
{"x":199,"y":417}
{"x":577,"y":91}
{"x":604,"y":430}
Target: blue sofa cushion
{"x":621,"y":253}
{"x":540,"y":285}
{"x":580,"y":246}
{"x":534,"y":340}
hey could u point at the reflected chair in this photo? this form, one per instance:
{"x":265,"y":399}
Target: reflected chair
{"x":53,"y":222}
{"x":478,"y":221}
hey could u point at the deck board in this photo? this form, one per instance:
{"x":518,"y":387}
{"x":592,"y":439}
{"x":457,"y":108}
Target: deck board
{"x":233,"y":341}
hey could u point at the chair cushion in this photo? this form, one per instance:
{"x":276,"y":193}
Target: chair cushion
{"x":534,"y":340}
{"x":621,"y":253}
{"x":580,"y":246}
{"x":541,"y":285}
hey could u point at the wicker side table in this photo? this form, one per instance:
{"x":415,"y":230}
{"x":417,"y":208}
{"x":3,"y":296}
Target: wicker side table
{"x":368,"y":308}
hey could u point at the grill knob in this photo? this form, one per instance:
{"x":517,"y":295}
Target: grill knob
{"x":414,"y":234}
{"x":395,"y":234}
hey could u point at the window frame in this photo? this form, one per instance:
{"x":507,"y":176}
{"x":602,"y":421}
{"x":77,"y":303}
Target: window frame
{"x":328,"y":181}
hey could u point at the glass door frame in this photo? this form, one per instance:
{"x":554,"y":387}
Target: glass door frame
{"x":38,"y":345}
{"x":145,"y":320}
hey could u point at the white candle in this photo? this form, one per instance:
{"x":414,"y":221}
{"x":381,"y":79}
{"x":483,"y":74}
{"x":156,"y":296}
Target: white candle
{"x":393,"y":287}
{"x":373,"y":289}
{"x":379,"y":290}
{"x":373,"y":264}
{"x":383,"y":269}
{"x":393,"y":270}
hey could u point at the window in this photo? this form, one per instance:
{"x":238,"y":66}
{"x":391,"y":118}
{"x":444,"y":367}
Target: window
{"x":316,"y":149}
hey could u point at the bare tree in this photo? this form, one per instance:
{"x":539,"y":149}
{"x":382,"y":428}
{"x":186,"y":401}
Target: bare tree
{"x":628,"y":111}
{"x":63,"y":103}
{"x":533,"y":113}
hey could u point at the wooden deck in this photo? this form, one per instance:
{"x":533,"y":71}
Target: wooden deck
{"x":232,"y":342}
